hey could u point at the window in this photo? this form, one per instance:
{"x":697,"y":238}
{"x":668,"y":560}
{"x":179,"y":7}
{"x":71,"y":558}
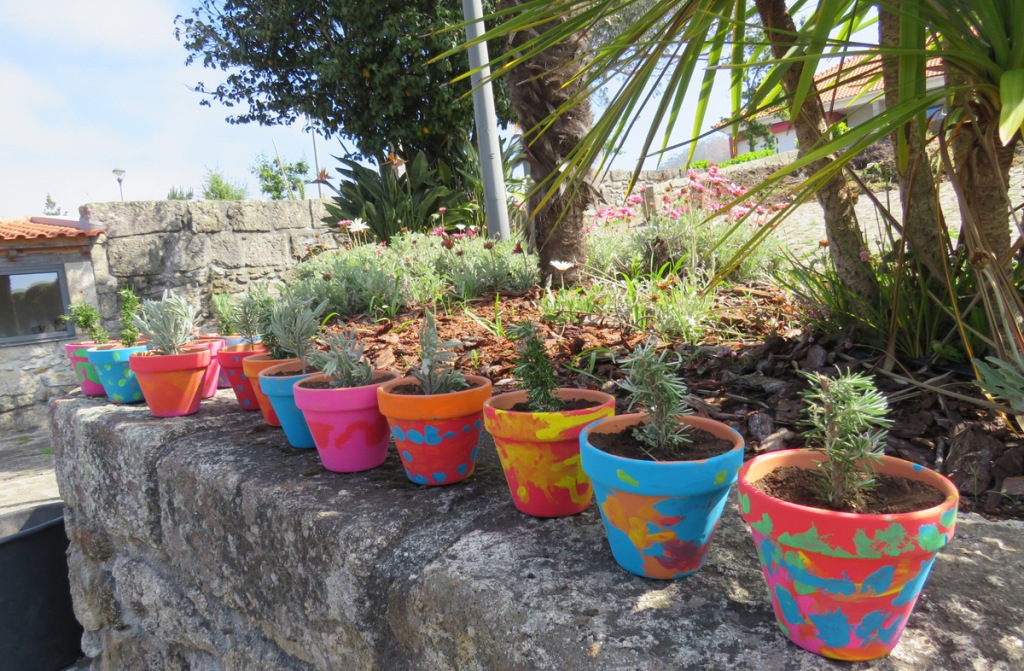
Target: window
{"x":31,"y":303}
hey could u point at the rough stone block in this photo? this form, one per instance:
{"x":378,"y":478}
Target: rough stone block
{"x":140,"y":217}
{"x":186,"y":253}
{"x":248,"y":216}
{"x":228,"y":250}
{"x":207,"y":542}
{"x":208,"y":216}
{"x":135,"y":255}
{"x":268,"y":250}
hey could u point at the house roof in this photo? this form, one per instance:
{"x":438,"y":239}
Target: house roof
{"x":852,"y":77}
{"x":32,"y":229}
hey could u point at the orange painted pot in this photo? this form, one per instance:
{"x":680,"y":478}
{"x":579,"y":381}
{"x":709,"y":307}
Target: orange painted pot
{"x":252,"y":366}
{"x":171,"y":383}
{"x":660,"y":516}
{"x":437,"y":436}
{"x":231,"y":358}
{"x":213,"y":372}
{"x":540,"y":451}
{"x":844,"y":584}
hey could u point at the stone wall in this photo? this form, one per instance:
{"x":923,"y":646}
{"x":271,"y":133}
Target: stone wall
{"x":205,"y":542}
{"x":198,"y":248}
{"x":33,"y":373}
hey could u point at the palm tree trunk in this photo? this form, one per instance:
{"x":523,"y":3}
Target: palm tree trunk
{"x":917,"y":186}
{"x":841,"y":229}
{"x":536,"y":87}
{"x":985,"y":192}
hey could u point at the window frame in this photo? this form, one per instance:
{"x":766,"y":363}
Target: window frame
{"x":62,"y":283}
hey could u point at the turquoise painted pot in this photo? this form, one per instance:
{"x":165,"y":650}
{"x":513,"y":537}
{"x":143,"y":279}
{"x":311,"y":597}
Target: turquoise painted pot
{"x":280,"y":389}
{"x":660,"y":516}
{"x":111,"y":364}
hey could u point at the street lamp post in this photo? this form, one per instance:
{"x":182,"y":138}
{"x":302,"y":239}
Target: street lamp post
{"x":119,"y":173}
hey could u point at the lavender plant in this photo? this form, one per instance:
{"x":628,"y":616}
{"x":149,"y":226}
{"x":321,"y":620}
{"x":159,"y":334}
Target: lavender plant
{"x":652,"y":384}
{"x":294,"y":322}
{"x":847,"y":424}
{"x":342,"y":362}
{"x":534,"y":369}
{"x":169,"y":323}
{"x":225,"y":313}
{"x":437,"y":372}
{"x":252,"y":312}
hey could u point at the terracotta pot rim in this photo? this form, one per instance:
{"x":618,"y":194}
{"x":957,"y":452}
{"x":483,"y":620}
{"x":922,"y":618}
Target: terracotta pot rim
{"x":413,"y":407}
{"x":319,"y":377}
{"x":284,"y":367}
{"x":888,"y":466}
{"x":408,"y":380}
{"x":244,"y":347}
{"x":622,"y":421}
{"x":502,"y":402}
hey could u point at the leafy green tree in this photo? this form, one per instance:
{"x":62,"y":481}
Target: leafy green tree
{"x":217,"y":187}
{"x":180,"y":193}
{"x":361,"y":69}
{"x":51,"y":208}
{"x":280,"y":180}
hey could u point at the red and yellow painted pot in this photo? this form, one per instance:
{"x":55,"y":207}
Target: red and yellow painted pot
{"x":252,"y":366}
{"x":208,"y":388}
{"x":350,"y":433}
{"x":843,"y":584}
{"x":540,"y":451}
{"x":85,"y":373}
{"x":231,"y":358}
{"x":437,"y":436}
{"x":171,"y":383}
{"x":660,"y":516}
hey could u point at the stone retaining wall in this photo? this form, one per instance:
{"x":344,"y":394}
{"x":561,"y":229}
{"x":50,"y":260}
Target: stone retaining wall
{"x":198,"y":248}
{"x":206,"y":542}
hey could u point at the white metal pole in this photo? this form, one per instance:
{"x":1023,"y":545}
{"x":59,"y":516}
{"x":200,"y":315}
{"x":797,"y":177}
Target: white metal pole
{"x":495,"y":198}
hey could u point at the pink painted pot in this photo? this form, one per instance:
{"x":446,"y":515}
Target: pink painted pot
{"x":540,"y":451}
{"x":208,"y":388}
{"x":85,"y":373}
{"x":843,"y":584}
{"x":350,"y":433}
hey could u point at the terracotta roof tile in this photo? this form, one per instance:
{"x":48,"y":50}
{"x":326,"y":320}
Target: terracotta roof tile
{"x":12,"y":230}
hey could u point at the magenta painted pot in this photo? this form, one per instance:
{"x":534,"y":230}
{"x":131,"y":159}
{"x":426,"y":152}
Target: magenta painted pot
{"x":211,"y":378}
{"x":350,"y":433}
{"x":85,"y":373}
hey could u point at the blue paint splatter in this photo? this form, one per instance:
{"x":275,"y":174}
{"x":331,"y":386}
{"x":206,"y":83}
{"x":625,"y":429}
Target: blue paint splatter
{"x":418,"y":479}
{"x":397,"y":433}
{"x":462,"y":468}
{"x":478,"y":424}
{"x":414,"y":437}
{"x":466,"y":428}
{"x":449,"y":434}
{"x":438,"y":477}
{"x":833,"y":628}
{"x":241,"y":388}
{"x":918,"y":467}
{"x":790,"y":611}
{"x":913,"y":586}
{"x":407,"y":456}
{"x":843,"y":586}
{"x":472,"y":455}
{"x":431,"y":435}
{"x":872,"y":630}
{"x":880,"y":581}
{"x":245,"y":403}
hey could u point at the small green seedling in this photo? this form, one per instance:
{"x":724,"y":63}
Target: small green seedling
{"x":534,"y":369}
{"x":652,"y":384}
{"x":87,"y":318}
{"x":846,"y":416}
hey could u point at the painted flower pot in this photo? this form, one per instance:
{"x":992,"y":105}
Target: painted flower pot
{"x":231,"y":358}
{"x":84,"y":371}
{"x":116,"y":376}
{"x":437,"y":436}
{"x":350,"y":433}
{"x":280,"y":389}
{"x":843,"y":584}
{"x":540,"y":451}
{"x":208,"y":388}
{"x":223,"y":382}
{"x":171,"y":383}
{"x":252,"y":367}
{"x":660,"y":516}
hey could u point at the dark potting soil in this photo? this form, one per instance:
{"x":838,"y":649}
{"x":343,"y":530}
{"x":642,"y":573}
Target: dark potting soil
{"x":703,"y":445}
{"x":573,"y":404}
{"x":324,"y":384}
{"x":417,"y":390}
{"x":892,"y":495}
{"x":290,"y":373}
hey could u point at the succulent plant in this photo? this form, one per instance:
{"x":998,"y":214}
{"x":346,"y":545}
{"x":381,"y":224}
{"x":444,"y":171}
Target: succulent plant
{"x":169,"y":323}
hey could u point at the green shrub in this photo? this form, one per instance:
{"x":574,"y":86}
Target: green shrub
{"x":747,"y":157}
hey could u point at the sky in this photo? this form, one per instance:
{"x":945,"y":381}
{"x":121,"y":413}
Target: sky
{"x":87,"y":86}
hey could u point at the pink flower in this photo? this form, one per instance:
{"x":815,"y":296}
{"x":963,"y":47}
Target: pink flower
{"x":438,"y":231}
{"x":442,"y":210}
{"x":864,"y":256}
{"x":344,"y":223}
{"x":635,"y":200}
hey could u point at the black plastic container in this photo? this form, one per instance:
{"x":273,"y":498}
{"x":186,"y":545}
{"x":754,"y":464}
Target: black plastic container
{"x":38,"y":629}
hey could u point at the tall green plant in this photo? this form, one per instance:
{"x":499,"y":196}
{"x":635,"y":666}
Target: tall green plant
{"x":294,"y":322}
{"x":225,"y":312}
{"x":129,"y":308}
{"x":87,"y":318}
{"x":253,"y":313}
{"x":534,"y":370}
{"x":652,"y":383}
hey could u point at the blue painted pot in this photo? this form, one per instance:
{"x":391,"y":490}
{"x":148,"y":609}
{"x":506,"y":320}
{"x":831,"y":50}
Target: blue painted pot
{"x":659,"y":516}
{"x":118,"y":380}
{"x":280,"y":389}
